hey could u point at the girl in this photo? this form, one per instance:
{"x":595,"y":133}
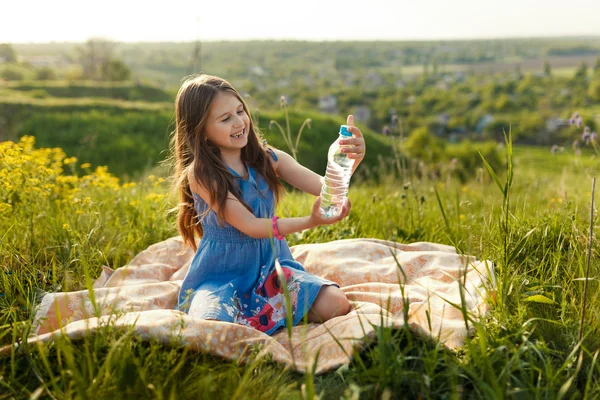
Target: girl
{"x":229,"y":182}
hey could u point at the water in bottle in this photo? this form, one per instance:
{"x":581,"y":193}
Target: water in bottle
{"x":337,"y":176}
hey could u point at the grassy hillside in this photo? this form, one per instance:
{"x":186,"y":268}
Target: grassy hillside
{"x":131,"y":136}
{"x":81,"y":89}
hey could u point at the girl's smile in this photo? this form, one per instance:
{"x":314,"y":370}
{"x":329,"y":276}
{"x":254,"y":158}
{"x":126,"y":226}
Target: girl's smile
{"x":240,"y":135}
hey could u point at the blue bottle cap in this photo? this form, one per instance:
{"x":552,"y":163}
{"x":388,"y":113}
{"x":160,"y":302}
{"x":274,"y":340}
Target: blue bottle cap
{"x":344,"y":131}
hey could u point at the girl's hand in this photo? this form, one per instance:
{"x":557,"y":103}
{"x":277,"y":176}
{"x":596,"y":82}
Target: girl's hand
{"x":317,"y":219}
{"x":357,"y":144}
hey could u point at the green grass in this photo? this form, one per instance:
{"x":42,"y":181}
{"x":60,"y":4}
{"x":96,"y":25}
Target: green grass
{"x":524,"y":348}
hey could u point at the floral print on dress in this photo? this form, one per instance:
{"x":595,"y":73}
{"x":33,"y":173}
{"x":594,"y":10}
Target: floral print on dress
{"x":271,"y":295}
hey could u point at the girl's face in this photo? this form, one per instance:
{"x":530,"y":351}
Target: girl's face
{"x":228,"y":124}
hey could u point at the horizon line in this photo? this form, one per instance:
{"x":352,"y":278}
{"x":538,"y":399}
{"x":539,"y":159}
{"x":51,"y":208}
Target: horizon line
{"x":319,"y":40}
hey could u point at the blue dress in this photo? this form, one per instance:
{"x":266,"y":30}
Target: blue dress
{"x":234,"y":274}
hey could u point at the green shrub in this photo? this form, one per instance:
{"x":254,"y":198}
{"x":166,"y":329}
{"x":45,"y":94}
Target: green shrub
{"x":12,"y":73}
{"x":424,"y":146}
{"x":45,"y":74}
{"x":468,"y":160}
{"x":461,"y":159}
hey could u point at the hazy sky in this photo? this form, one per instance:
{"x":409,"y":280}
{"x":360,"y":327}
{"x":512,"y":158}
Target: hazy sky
{"x":183,"y":20}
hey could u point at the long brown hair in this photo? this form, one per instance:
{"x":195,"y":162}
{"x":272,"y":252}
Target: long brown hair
{"x":188,"y":146}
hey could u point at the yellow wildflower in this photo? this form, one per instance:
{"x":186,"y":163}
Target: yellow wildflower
{"x":102,"y":170}
{"x":67,"y":180}
{"x":5,"y":208}
{"x":155,"y":197}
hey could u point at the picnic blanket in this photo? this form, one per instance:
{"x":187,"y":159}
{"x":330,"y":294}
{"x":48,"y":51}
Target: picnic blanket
{"x":388,"y":284}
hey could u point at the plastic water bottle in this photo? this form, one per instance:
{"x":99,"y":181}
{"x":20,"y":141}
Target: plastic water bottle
{"x":337,"y":177}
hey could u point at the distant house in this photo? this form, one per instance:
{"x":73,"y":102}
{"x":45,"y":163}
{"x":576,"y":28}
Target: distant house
{"x":328,"y":104}
{"x":441,"y":85}
{"x":443,"y":119}
{"x":555,"y":123}
{"x":373,"y":80}
{"x":564,"y":92}
{"x":283,"y":83}
{"x":458,"y":130}
{"x":349,"y":78}
{"x":3,"y":59}
{"x":362,"y":114}
{"x":483,"y":122}
{"x":473,"y":97}
{"x":459,"y":76}
{"x":257,"y":70}
{"x":43,"y":61}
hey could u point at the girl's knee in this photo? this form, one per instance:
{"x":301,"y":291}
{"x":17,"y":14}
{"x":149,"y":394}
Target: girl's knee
{"x":342,"y":304}
{"x":331,"y":302}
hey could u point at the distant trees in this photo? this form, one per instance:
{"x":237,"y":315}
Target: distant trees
{"x":45,"y":74}
{"x":547,"y":69}
{"x":572,"y":50}
{"x":424,"y":146}
{"x":581,"y":72}
{"x":117,"y":70}
{"x":97,"y":60}
{"x":594,"y":90}
{"x":7,"y":52}
{"x":12,"y":73}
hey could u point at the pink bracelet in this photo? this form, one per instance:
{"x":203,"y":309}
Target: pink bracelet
{"x":275,"y":231}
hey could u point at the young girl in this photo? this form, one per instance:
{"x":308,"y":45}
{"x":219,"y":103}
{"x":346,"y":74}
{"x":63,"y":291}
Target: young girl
{"x":228,"y":184}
